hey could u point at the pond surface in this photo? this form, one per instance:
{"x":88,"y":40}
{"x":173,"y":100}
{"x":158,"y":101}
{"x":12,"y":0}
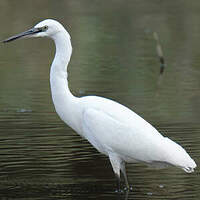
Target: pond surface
{"x":114,"y":56}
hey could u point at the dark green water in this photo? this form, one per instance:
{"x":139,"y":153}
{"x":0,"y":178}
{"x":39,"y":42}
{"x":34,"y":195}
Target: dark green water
{"x":114,"y":56}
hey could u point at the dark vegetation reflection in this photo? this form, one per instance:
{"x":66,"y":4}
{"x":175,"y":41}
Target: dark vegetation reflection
{"x":114,"y":56}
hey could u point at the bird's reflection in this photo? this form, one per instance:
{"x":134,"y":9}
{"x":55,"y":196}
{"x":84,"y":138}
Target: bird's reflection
{"x":123,"y":196}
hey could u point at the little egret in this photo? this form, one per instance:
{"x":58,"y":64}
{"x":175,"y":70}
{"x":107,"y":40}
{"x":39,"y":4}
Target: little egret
{"x":110,"y":127}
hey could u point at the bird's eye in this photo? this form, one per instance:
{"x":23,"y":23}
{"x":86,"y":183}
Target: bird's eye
{"x":44,"y":28}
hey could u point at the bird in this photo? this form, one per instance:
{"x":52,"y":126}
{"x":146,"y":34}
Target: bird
{"x":112,"y":128}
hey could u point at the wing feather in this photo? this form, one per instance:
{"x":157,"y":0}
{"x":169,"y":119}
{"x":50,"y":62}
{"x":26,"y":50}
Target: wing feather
{"x":108,"y":134}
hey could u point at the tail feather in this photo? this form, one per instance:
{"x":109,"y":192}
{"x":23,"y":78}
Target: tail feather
{"x":177,"y":156}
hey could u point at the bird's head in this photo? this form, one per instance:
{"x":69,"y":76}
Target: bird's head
{"x":46,"y":28}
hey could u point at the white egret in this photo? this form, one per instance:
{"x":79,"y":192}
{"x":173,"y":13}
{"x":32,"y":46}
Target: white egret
{"x":110,"y":127}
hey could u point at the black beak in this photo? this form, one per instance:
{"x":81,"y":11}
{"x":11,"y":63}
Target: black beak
{"x":26,"y":33}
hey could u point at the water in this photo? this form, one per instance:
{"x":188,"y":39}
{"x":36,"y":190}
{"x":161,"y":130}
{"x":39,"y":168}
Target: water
{"x":114,"y":56}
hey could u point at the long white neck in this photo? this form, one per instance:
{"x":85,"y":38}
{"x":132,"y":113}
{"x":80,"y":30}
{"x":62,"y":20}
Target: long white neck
{"x":58,"y":75}
{"x":62,"y":97}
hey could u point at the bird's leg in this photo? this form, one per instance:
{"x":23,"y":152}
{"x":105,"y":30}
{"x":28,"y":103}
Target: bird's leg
{"x":116,"y":164}
{"x":118,"y":183}
{"x":123,"y":169}
{"x":126,"y":194}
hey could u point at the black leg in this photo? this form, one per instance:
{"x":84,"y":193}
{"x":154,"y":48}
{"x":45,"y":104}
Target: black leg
{"x":126,"y":194}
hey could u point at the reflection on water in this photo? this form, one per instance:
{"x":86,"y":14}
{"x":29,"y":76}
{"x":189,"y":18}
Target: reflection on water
{"x":114,"y":56}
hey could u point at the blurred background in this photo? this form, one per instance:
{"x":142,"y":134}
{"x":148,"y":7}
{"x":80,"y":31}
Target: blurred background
{"x":114,"y":55}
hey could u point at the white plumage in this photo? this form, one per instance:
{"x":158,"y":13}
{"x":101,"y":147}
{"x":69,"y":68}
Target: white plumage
{"x":110,"y":127}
